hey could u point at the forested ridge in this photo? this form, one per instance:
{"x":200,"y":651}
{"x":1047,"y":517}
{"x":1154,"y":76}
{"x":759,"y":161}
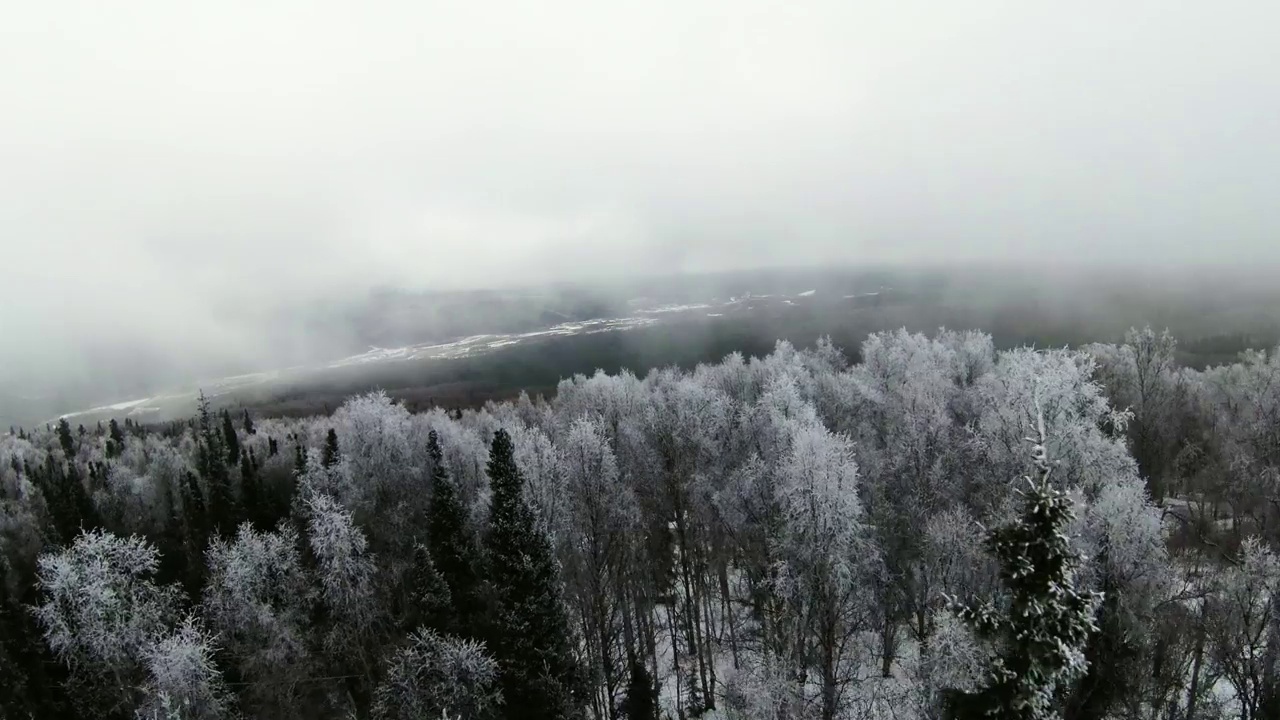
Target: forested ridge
{"x":941,"y":530}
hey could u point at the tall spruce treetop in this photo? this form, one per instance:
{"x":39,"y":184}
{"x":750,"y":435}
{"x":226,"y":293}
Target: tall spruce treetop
{"x":229,"y":438}
{"x":116,"y":445}
{"x":450,"y":545}
{"x":211,"y":453}
{"x":249,"y":429}
{"x":1041,"y":633}
{"x":65,"y":439}
{"x":331,"y":452}
{"x":530,"y":639}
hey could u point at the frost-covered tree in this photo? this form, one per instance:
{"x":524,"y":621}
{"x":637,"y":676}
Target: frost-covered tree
{"x":258,"y":601}
{"x":531,"y":637}
{"x":183,"y":681}
{"x":341,"y":554}
{"x":1141,"y":375}
{"x":906,"y":391}
{"x":378,"y":449}
{"x":765,"y":688}
{"x":603,"y":517}
{"x":345,"y":570}
{"x":1122,"y":538}
{"x":1243,"y":629}
{"x":439,"y":676}
{"x":1039,"y":634}
{"x":824,"y":552}
{"x":1058,"y":388}
{"x":101,"y":611}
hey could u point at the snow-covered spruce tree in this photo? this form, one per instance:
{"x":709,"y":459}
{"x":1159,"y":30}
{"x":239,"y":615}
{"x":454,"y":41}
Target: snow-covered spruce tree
{"x":429,"y":603}
{"x":540,"y":678}
{"x":435,"y":676}
{"x":1040,"y":634}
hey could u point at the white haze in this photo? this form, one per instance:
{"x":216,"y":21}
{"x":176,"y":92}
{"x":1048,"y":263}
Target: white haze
{"x":174,"y":173}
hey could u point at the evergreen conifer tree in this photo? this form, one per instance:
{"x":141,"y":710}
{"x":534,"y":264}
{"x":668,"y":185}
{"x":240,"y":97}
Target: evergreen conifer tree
{"x":451,"y":546}
{"x":65,"y":439}
{"x":331,"y":452}
{"x":249,"y":429}
{"x":13,"y":689}
{"x":220,"y":501}
{"x":196,"y":528}
{"x":250,"y":492}
{"x":229,"y":439}
{"x":1041,"y":635}
{"x":640,"y":702}
{"x":210,"y":462}
{"x":429,"y":603}
{"x":116,"y":444}
{"x":530,"y":638}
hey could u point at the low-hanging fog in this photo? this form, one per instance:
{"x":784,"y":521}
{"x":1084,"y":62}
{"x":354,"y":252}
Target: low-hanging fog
{"x":181,"y":184}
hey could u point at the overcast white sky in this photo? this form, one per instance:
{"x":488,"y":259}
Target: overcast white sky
{"x":160,"y":159}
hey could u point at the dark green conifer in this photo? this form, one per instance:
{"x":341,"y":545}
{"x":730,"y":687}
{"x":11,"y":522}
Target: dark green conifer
{"x":429,"y":603}
{"x":451,"y":546}
{"x":230,"y":440}
{"x":530,"y":635}
{"x":250,"y":492}
{"x":65,"y":439}
{"x":641,"y":702}
{"x":331,"y":452}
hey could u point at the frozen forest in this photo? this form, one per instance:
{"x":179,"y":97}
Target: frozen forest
{"x":937,"y":530}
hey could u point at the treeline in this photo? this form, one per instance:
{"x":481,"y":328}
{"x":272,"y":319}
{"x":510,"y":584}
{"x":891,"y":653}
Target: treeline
{"x":790,"y":536}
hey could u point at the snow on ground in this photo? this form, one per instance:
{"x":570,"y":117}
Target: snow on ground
{"x":662,"y":309}
{"x":126,"y":405}
{"x":457,"y":348}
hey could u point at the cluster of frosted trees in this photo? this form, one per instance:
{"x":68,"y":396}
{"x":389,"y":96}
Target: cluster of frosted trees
{"x":781,"y":537}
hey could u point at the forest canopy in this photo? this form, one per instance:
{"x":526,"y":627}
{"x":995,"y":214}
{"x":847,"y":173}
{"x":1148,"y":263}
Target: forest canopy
{"x":937,"y":530}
